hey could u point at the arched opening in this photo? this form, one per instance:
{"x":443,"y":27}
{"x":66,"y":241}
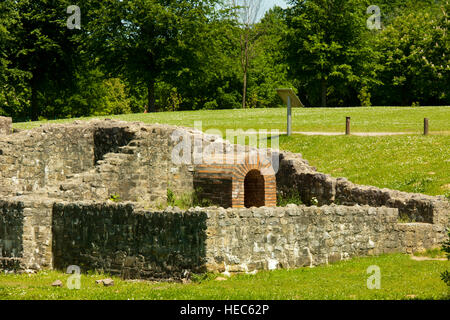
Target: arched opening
{"x":254,"y":191}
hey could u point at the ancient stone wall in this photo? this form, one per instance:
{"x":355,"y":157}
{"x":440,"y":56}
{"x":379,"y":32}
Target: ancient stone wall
{"x":26,"y":239}
{"x":92,"y":161}
{"x":141,"y":171}
{"x":128,"y":242}
{"x":46,"y":172}
{"x":11,"y":235}
{"x":295,"y":236}
{"x":97,"y":160}
{"x":31,"y":160}
{"x":295,"y":174}
{"x":134,"y":243}
{"x":5,"y":125}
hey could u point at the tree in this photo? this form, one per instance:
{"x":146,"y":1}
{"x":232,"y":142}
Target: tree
{"x":414,"y":51}
{"x":43,"y":47}
{"x":247,"y":13}
{"x":145,"y":40}
{"x":13,"y":92}
{"x":214,"y":80}
{"x":268,"y":69}
{"x":326,"y":48}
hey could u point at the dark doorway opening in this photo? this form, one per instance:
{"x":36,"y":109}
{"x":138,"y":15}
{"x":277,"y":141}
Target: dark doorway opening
{"x":254,"y":189}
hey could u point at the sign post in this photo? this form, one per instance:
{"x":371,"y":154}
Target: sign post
{"x":290,"y":98}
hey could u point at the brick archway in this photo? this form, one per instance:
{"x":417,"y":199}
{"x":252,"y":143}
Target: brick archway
{"x":249,"y":182}
{"x":254,"y":189}
{"x":252,"y":168}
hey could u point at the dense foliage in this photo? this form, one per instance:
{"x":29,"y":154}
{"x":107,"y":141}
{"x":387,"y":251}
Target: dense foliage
{"x":134,"y":55}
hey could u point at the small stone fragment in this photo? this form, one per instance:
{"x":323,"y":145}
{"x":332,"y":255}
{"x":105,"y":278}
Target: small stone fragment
{"x":108,"y":282}
{"x":221,"y":279}
{"x":57,"y":283}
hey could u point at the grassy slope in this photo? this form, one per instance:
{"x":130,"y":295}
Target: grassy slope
{"x":409,"y":163}
{"x":400,"y":277}
{"x":382,"y":119}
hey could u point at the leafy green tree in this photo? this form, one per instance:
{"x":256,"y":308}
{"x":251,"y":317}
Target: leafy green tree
{"x":414,"y":52}
{"x":213,"y":79}
{"x":268,"y":70}
{"x":391,"y":9}
{"x":13,"y":87}
{"x":326,"y":49}
{"x":116,"y":100}
{"x":44,"y":47}
{"x":145,"y":40}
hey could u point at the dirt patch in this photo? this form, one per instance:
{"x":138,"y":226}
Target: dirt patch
{"x":427,"y":259}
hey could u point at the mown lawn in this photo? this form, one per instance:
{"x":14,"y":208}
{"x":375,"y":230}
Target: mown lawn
{"x":413,"y":163}
{"x":375,"y":119}
{"x":401,"y":278}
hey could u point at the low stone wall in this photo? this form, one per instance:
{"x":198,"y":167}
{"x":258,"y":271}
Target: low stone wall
{"x":25,"y":233}
{"x":30,"y":160}
{"x":5,"y":125}
{"x":296,"y":236}
{"x":295,"y":174}
{"x":11,"y":233}
{"x":123,"y":241}
{"x":94,"y":160}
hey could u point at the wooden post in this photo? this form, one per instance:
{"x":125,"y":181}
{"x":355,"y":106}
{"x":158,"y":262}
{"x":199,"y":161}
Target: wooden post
{"x":426,"y":127}
{"x":347,"y":126}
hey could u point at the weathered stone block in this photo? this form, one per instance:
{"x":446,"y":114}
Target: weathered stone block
{"x":5,"y":125}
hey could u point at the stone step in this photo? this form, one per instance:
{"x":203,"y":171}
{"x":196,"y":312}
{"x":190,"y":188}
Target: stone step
{"x":135,"y":143}
{"x":115,"y":157}
{"x":128,"y":150}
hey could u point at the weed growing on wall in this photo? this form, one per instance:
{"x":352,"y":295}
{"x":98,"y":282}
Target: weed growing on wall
{"x":404,"y":218}
{"x":187,"y":200}
{"x":447,"y":195}
{"x":291,"y":197}
{"x":115,"y":198}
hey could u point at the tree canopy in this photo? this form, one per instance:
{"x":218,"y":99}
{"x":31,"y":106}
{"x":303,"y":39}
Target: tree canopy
{"x":167,"y":55}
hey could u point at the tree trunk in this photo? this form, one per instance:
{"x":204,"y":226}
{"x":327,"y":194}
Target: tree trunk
{"x":244,"y":91}
{"x":245,"y":60}
{"x":324,"y":93}
{"x":34,"y":99}
{"x":151,"y":96}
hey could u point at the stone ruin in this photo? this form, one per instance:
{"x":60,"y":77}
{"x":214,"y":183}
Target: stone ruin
{"x":5,"y":125}
{"x":57,"y":182}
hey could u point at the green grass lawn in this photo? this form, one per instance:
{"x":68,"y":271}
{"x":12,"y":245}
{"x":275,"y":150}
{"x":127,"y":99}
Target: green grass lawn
{"x":411,"y":163}
{"x":401,"y":278}
{"x":414,"y":163}
{"x":375,"y":119}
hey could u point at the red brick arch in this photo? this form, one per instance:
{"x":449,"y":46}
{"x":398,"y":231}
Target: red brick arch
{"x":242,"y":171}
{"x":224,"y":184}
